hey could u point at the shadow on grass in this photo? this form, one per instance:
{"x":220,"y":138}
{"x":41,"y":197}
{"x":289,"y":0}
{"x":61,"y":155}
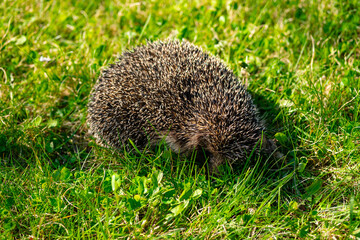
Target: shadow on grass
{"x":56,"y":146}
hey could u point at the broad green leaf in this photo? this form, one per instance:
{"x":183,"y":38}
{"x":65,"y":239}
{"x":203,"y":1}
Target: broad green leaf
{"x":21,"y":40}
{"x":293,"y":205}
{"x":36,"y":121}
{"x":281,"y":137}
{"x":197,"y":193}
{"x":314,"y":187}
{"x":65,"y":173}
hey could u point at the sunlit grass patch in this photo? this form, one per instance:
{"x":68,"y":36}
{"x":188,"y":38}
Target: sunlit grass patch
{"x":300,"y":60}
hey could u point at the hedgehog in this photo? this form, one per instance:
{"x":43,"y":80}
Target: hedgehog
{"x":174,"y":91}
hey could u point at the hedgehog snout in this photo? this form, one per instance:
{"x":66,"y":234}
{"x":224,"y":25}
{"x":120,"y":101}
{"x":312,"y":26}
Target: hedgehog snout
{"x":209,"y":153}
{"x":208,"y":158}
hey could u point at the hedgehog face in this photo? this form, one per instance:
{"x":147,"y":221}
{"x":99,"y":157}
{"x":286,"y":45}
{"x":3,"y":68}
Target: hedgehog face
{"x":239,"y":151}
{"x":230,"y":152}
{"x":217,"y":150}
{"x":233,"y":149}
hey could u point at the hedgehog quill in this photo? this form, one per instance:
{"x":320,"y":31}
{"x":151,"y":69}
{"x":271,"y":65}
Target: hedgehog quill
{"x":175,"y":91}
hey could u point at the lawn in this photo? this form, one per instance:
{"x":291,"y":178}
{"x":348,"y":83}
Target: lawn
{"x":301,"y":63}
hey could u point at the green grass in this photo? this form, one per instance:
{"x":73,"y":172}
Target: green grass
{"x":301,"y":61}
